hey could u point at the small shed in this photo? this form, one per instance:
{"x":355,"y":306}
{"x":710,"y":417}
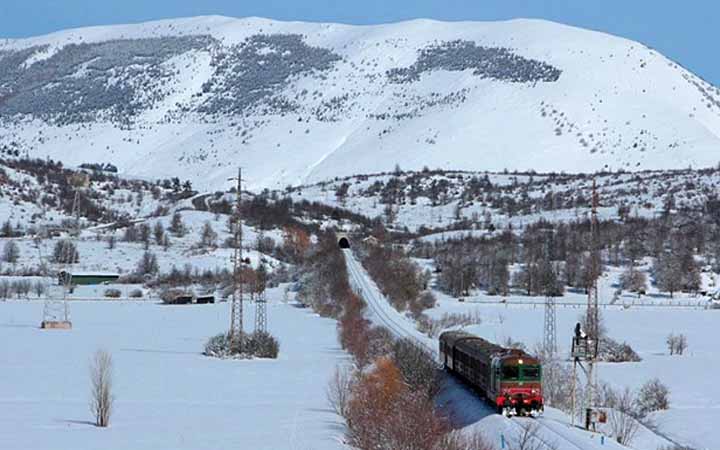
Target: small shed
{"x":87,"y":278}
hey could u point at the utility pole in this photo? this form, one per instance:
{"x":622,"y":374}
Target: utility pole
{"x":593,"y":310}
{"x":236,"y":308}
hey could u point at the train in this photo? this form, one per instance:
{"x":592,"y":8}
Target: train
{"x":509,"y":379}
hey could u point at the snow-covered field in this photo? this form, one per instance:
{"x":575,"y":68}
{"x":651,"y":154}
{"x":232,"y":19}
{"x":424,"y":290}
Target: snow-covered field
{"x":554,"y":429}
{"x":167,"y":394}
{"x":693,"y":412}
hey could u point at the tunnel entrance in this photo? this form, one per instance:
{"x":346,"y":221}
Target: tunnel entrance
{"x":344,"y":243}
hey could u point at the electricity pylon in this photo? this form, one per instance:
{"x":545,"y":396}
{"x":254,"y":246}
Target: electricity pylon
{"x":260,"y":299}
{"x":236,"y":308}
{"x":56,"y":311}
{"x":550,"y":347}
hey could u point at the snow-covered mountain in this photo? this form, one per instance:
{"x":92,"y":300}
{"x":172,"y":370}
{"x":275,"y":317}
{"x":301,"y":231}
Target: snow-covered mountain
{"x":298,"y":102}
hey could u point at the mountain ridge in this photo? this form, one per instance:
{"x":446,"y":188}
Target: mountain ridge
{"x":297,"y":102}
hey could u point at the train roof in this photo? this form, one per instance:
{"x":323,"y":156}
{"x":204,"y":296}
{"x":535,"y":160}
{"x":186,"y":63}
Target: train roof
{"x":476,"y":345}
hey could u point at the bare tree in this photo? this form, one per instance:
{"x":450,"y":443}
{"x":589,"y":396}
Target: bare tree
{"x":101,"y":398}
{"x":39,"y":288}
{"x":528,"y":438}
{"x":455,"y":440}
{"x":339,"y":390}
{"x":676,"y":344}
{"x":623,"y":425}
{"x":208,"y":236}
{"x":681,"y":345}
{"x":11,"y":252}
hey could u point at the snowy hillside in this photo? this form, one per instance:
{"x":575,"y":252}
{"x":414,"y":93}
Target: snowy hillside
{"x":296,"y":103}
{"x":460,"y":202}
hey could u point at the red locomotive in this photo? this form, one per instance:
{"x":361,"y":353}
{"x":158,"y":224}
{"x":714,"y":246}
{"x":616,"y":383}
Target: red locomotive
{"x":508,"y":378}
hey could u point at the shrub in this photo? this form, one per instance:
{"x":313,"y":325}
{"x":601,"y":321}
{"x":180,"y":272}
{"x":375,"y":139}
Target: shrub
{"x":136,"y":293}
{"x":113,"y":293}
{"x":218,"y":346}
{"x":170,"y":296}
{"x":262,"y":345}
{"x":416,"y":366}
{"x":433,"y":327}
{"x":339,"y":389}
{"x":653,"y":396}
{"x":384,"y":413}
{"x":613,"y":351}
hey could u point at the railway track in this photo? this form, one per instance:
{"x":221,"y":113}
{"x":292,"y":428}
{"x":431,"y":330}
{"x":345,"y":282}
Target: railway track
{"x":395,"y":323}
{"x":401,"y":328}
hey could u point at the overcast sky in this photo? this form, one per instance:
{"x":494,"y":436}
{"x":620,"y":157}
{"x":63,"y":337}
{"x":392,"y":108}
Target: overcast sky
{"x":685,"y":31}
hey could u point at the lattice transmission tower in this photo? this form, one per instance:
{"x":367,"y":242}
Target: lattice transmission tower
{"x":260,"y":300}
{"x":236,"y":308}
{"x":56,"y":309}
{"x":550,"y":347}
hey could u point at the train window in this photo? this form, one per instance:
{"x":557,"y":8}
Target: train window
{"x":531,"y":373}
{"x":510,"y":372}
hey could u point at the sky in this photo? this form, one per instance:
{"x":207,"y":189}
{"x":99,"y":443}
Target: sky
{"x":685,"y":31}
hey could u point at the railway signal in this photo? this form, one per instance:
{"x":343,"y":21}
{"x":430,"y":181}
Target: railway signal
{"x":586,"y":343}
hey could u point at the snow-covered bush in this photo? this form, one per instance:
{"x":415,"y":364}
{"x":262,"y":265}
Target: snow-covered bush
{"x":653,"y":396}
{"x":171,"y":296}
{"x":218,"y":346}
{"x":136,"y":293}
{"x":613,"y":351}
{"x":113,"y":293}
{"x":261,"y":345}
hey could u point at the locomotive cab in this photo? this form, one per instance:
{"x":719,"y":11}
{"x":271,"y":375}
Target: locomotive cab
{"x":518,"y":384}
{"x":508,"y":378}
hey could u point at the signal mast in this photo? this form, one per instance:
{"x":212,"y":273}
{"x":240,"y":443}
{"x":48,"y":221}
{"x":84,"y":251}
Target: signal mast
{"x":586,"y":345}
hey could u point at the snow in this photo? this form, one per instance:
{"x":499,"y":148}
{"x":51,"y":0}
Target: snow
{"x":380,"y":311}
{"x":554,"y":429}
{"x":167,"y":394}
{"x":617,"y":104}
